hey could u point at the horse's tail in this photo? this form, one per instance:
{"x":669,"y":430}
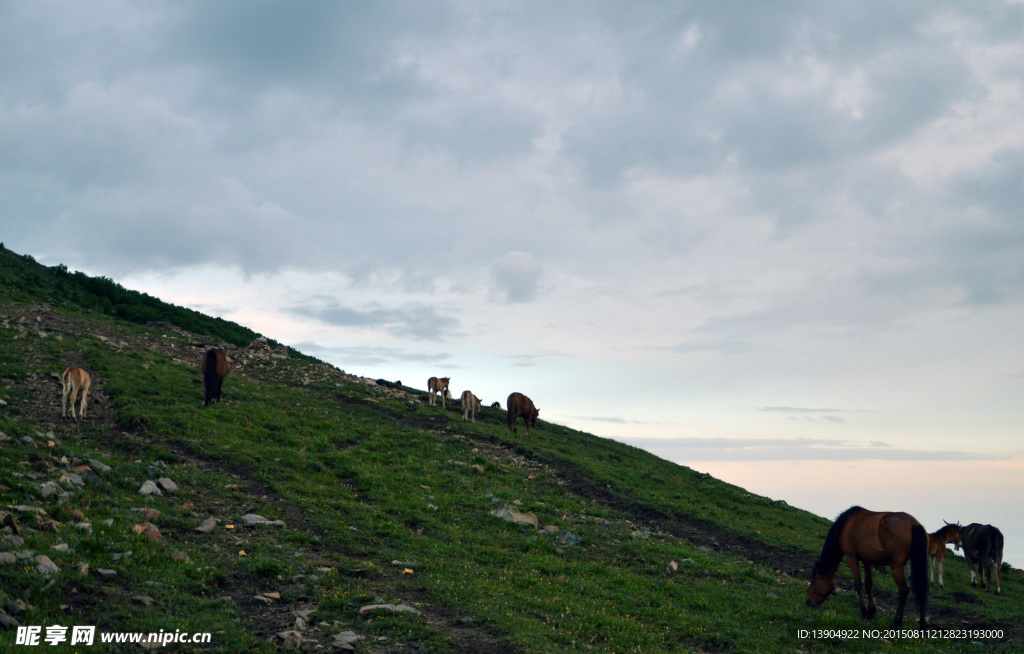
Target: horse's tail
{"x":919,"y":568}
{"x":210,"y":375}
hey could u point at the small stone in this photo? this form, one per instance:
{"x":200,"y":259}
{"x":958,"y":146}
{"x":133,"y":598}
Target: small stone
{"x":569,"y":539}
{"x":253,"y":519}
{"x":394,"y":608}
{"x":167,"y":485}
{"x":289,"y":639}
{"x":62,"y":547}
{"x":180,"y":556}
{"x":45,"y":565}
{"x":99,"y":467}
{"x":106,"y":572}
{"x":49,"y":488}
{"x":208,"y":525}
{"x":149,"y":530}
{"x":8,"y":557}
{"x":150,"y":488}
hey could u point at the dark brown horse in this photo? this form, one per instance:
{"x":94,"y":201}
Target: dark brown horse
{"x":937,"y":541}
{"x":215,"y":368}
{"x":520,"y":405}
{"x":873,"y":538}
{"x":983,"y":548}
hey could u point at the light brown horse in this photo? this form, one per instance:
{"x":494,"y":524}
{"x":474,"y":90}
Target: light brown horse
{"x":435,"y":385}
{"x":74,"y":380}
{"x":470,"y":405}
{"x":215,"y":368}
{"x":937,"y":541}
{"x":874,"y":538}
{"x":520,"y":405}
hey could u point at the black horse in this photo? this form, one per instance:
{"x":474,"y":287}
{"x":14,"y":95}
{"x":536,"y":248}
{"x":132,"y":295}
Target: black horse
{"x":215,"y":368}
{"x":983,"y":546}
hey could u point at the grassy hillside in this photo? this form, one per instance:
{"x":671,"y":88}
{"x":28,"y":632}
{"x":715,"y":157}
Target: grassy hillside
{"x":383,"y":500}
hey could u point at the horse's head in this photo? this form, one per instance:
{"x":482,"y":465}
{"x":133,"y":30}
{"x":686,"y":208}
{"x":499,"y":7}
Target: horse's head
{"x":953,"y":534}
{"x":821,"y":587}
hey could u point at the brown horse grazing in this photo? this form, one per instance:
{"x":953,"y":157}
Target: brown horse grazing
{"x":435,"y":385}
{"x":937,"y":548}
{"x":470,"y":405}
{"x":74,"y":380}
{"x":889,"y":539}
{"x":520,"y":405}
{"x":215,"y":368}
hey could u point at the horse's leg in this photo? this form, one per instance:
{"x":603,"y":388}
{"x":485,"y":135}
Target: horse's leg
{"x":899,"y":576}
{"x":997,"y":563}
{"x":64,"y":399}
{"x":851,"y":560}
{"x":931,"y":568}
{"x":85,"y":399}
{"x":869,"y":584}
{"x":74,"y":398}
{"x":940,"y":556}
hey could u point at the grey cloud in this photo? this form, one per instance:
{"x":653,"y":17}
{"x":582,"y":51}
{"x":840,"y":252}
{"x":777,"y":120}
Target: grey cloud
{"x":411,"y":321}
{"x":516,"y":277}
{"x":371,"y":356}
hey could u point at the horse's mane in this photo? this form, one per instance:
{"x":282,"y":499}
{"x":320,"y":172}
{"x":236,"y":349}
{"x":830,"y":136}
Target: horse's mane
{"x":830,"y":552}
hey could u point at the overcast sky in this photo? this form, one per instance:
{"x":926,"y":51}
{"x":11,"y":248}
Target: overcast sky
{"x":766,"y":231}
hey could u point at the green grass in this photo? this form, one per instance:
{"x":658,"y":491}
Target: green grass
{"x":364,"y":479}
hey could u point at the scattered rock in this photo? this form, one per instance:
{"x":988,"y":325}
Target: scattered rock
{"x":150,"y":488}
{"x":180,"y":556}
{"x":99,"y":466}
{"x":511,"y":514}
{"x":253,"y":519}
{"x":45,"y":565}
{"x":289,"y":639}
{"x":167,"y":485}
{"x":106,"y":572}
{"x":569,"y":539}
{"x":672,"y":567}
{"x":208,"y":525}
{"x":394,"y":608}
{"x":49,"y":488}
{"x":345,"y":641}
{"x":8,"y":557}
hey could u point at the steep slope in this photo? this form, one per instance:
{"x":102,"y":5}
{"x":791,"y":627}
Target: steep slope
{"x":384,"y":500}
